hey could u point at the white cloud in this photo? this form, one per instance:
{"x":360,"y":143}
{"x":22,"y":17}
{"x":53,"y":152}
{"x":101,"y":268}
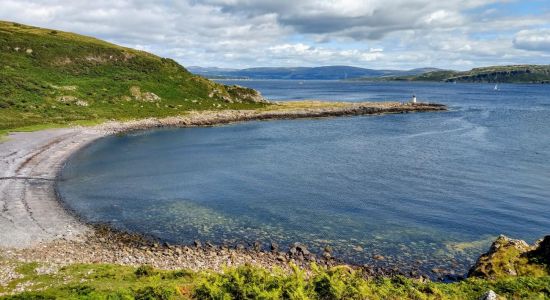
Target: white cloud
{"x":239,"y":33}
{"x":536,"y":40}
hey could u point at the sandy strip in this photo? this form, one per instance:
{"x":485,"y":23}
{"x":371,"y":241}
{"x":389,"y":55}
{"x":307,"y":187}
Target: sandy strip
{"x":29,"y":163}
{"x":30,"y":213}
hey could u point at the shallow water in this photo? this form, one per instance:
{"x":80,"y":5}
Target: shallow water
{"x":423,"y":189}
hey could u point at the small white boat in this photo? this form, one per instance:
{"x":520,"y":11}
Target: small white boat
{"x":496,"y":87}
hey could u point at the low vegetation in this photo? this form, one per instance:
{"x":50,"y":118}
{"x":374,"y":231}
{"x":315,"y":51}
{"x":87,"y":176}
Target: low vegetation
{"x":52,"y":78}
{"x":87,"y":281}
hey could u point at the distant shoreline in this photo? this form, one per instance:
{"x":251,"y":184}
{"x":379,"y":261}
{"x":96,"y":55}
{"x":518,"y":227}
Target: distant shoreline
{"x":36,"y":225}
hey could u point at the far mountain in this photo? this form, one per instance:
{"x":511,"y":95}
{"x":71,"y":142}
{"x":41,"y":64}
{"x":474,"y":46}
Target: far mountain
{"x":304,"y":73}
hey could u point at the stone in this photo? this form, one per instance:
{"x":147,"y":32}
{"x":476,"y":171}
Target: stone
{"x":490,"y":295}
{"x":66,"y":99}
{"x":378,"y":257}
{"x":197,"y":243}
{"x":150,"y":97}
{"x":301,"y":248}
{"x":274,"y":247}
{"x":257,"y":246}
{"x":292,"y":251}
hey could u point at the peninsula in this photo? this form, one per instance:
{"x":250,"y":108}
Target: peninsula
{"x":493,"y":74}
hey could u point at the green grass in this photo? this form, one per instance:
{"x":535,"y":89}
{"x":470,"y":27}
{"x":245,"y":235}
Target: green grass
{"x":81,"y":281}
{"x":96,"y":281}
{"x":48,"y":77}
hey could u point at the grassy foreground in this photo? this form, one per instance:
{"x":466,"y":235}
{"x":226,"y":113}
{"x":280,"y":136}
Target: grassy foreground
{"x":89,"y":281}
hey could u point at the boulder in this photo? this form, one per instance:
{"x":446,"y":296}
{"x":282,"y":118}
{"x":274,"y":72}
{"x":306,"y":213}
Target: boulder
{"x":257,"y":246}
{"x":150,"y":97}
{"x":378,"y":257}
{"x":136,"y":93}
{"x":490,"y":295}
{"x":541,"y":253}
{"x":81,"y":103}
{"x":510,"y":257}
{"x":274,"y":247}
{"x":67,"y":99}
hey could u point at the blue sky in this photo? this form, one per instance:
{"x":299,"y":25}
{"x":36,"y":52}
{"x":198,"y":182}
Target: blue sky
{"x":383,"y":34}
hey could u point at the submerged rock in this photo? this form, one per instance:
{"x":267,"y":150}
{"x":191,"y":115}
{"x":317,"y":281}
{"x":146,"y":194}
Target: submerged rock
{"x":302,"y":249}
{"x":378,"y":257}
{"x":274,"y":247}
{"x":257,"y":246}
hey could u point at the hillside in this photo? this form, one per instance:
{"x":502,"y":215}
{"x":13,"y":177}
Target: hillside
{"x":303,"y":73}
{"x":496,"y":74}
{"x":54,"y":77}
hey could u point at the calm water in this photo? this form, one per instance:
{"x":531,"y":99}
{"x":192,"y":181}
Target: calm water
{"x":430,"y":189}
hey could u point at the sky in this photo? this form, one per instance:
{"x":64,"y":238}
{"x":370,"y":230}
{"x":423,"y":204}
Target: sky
{"x":379,"y":34}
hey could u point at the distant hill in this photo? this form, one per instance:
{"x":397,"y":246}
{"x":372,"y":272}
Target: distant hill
{"x":304,"y":73}
{"x":50,"y":76}
{"x":496,"y":74}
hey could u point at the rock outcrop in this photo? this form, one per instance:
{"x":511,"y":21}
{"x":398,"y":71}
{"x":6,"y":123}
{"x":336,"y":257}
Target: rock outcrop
{"x":510,"y":257}
{"x":244,"y":94}
{"x":136,"y":92}
{"x":541,"y":253}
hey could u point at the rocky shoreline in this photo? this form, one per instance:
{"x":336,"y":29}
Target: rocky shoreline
{"x":36,"y":226}
{"x":106,"y":245}
{"x":276,"y":111}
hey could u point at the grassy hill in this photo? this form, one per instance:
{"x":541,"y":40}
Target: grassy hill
{"x":54,"y":77}
{"x":496,"y":74}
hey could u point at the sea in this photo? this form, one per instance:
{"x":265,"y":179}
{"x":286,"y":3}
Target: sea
{"x":424,"y":191}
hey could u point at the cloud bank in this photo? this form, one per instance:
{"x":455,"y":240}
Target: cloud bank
{"x":403,"y":34}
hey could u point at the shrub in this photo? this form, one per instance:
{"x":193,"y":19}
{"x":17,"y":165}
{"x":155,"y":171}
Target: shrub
{"x":145,"y":271}
{"x":153,"y":293}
